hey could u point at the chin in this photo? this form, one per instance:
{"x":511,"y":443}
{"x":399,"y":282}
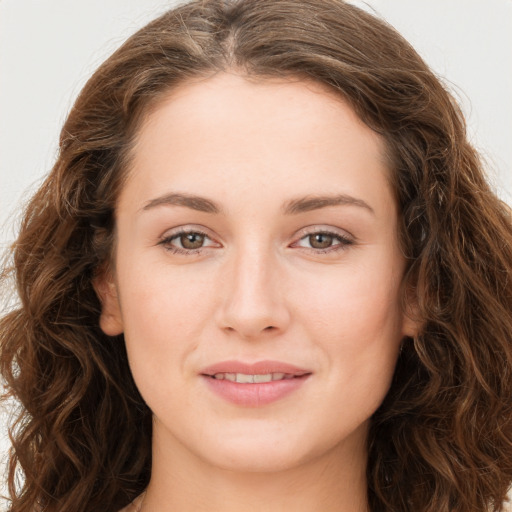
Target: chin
{"x":260,"y":460}
{"x":258,"y":454}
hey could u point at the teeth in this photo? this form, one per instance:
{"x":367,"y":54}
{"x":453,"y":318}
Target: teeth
{"x":243,"y":378}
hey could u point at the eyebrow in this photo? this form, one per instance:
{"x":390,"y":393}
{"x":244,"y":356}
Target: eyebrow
{"x":292,"y":207}
{"x":198,"y":203}
{"x":309,"y":203}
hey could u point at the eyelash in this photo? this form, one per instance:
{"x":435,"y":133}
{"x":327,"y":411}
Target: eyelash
{"x":166,"y":242}
{"x":343,"y":242}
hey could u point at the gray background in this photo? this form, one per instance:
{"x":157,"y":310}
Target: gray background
{"x":48,"y":50}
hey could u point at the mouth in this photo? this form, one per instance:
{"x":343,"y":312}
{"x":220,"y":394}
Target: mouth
{"x":254,"y":373}
{"x":254,"y":384}
{"x":244,"y":378}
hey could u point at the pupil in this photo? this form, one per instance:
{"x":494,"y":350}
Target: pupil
{"x":320,"y":241}
{"x":192,"y":240}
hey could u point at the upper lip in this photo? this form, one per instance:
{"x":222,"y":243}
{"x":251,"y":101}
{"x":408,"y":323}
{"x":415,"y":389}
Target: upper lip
{"x":257,"y":368}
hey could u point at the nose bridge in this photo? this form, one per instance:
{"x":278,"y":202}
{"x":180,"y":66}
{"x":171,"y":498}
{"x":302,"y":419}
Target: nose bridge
{"x":253,"y":302}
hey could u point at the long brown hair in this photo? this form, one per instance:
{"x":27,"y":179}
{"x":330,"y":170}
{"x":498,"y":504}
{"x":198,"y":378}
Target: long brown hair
{"x":442,"y":439}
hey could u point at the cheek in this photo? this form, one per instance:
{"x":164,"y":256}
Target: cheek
{"x":358,"y":299}
{"x":163,"y":315}
{"x":156,"y":300}
{"x":357,"y":321}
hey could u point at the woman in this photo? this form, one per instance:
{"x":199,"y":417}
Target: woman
{"x":265,"y":272}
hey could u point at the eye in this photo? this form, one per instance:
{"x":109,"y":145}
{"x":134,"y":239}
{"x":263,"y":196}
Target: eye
{"x":320,"y":240}
{"x":190,"y":240}
{"x":324,"y":241}
{"x":186,"y":241}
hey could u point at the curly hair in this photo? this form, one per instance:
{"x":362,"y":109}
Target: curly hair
{"x":442,"y":438}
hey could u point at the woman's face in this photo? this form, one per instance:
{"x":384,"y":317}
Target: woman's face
{"x":257,"y":235}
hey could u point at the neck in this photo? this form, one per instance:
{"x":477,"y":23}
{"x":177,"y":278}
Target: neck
{"x":181,"y":481}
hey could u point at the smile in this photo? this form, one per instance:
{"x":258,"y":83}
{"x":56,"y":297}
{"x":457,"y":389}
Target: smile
{"x":244,"y":378}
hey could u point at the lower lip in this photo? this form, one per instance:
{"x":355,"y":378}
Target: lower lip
{"x":254,"y":395}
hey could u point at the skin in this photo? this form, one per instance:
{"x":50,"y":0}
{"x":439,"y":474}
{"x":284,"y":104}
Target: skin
{"x":261,"y":287}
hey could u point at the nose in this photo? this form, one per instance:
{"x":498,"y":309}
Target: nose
{"x":253,"y":298}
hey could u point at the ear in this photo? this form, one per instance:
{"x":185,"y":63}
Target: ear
{"x":411,"y":323}
{"x":411,"y":326}
{"x":111,"y":320}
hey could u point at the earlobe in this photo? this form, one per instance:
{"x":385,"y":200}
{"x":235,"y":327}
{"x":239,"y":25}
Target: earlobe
{"x":111,"y":321}
{"x":411,"y":324}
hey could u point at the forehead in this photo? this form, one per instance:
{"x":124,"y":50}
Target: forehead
{"x":228,"y":130}
{"x":230,"y":100}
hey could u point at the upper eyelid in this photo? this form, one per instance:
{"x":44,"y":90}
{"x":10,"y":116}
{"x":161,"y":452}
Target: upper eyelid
{"x":343,"y":239}
{"x":173,"y":232}
{"x":342,"y":233}
{"x":169,"y":233}
{"x":302,"y":233}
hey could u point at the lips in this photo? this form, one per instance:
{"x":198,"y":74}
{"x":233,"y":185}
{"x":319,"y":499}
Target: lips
{"x":257,"y":368}
{"x":244,"y":378}
{"x":256,"y":384}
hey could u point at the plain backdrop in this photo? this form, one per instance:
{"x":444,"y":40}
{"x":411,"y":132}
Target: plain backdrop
{"x":49,"y":48}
